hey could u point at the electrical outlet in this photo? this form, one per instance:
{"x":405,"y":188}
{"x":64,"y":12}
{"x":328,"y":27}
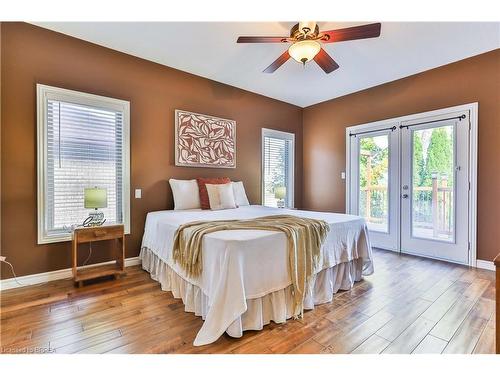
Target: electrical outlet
{"x":342,"y":175}
{"x":3,"y":259}
{"x":138,"y":193}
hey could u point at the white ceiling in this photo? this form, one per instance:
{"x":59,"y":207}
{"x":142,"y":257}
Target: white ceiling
{"x":209,"y":49}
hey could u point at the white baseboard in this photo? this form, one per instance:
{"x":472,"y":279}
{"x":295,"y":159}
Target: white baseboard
{"x":53,"y":275}
{"x":485,"y":264}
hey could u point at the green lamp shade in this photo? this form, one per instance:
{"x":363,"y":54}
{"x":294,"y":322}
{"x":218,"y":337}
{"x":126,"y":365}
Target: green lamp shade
{"x":96,"y":198}
{"x":280,"y":192}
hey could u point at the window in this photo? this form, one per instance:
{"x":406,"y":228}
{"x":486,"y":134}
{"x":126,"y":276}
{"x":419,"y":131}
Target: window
{"x":277,"y":167}
{"x":83,"y":141}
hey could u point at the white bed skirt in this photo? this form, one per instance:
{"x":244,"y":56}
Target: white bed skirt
{"x":276,"y":306}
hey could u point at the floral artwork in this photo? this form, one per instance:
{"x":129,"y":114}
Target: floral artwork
{"x":204,"y":141}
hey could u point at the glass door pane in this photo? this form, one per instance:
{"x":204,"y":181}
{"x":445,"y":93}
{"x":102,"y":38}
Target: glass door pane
{"x":374,"y":181}
{"x":433,"y":183}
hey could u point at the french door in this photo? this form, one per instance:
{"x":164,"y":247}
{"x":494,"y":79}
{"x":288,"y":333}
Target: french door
{"x":435,"y":187}
{"x":409,"y":179}
{"x":375,"y":175}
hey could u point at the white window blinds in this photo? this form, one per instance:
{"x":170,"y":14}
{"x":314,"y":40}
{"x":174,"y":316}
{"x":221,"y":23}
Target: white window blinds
{"x":84,"y":147}
{"x":278,"y":160}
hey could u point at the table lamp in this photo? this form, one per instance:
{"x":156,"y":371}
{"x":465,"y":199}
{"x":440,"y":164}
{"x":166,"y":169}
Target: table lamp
{"x":280,"y":195}
{"x":95,"y":198}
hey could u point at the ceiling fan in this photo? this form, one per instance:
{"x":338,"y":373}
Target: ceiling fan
{"x":306,"y":42}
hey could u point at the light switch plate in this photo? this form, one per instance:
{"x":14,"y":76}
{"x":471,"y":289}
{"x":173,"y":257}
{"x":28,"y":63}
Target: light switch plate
{"x":138,"y":193}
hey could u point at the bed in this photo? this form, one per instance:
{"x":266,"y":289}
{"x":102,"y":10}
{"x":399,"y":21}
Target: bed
{"x":245,"y":282}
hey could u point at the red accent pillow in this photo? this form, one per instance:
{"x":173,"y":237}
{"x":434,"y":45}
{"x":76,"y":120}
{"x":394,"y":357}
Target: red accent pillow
{"x":204,"y":201}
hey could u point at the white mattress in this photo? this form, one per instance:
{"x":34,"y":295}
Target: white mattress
{"x":245,"y":264}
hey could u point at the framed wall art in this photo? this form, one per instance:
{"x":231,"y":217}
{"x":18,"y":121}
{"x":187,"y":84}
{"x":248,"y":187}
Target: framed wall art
{"x":204,"y":141}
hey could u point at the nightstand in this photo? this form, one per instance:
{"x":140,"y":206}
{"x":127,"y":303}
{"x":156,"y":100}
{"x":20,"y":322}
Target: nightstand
{"x":94,"y":234}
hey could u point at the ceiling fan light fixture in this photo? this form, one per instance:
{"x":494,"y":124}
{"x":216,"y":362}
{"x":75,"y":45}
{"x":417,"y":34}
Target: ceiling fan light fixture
{"x":304,"y":50}
{"x":307,"y":27}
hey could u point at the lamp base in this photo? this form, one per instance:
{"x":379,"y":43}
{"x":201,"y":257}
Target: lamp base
{"x":281,"y":203}
{"x":95,"y":219}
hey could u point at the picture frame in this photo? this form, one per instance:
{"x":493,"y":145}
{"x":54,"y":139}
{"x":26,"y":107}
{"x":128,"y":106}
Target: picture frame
{"x":204,"y":141}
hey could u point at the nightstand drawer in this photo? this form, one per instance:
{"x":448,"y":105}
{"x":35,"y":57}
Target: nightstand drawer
{"x":107,"y":232}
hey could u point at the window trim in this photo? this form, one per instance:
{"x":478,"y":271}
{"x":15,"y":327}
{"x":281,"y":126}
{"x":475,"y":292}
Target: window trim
{"x":45,"y":93}
{"x":291,"y":166}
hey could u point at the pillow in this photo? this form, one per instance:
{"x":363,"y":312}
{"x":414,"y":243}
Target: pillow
{"x":220,"y":196}
{"x":203,"y":194}
{"x":240,"y":197}
{"x":185,"y":194}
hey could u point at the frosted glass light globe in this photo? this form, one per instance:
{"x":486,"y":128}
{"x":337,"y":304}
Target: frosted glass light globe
{"x":304,"y":51}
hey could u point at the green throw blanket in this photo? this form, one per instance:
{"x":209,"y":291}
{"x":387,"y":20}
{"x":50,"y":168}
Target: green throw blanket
{"x":304,"y":237}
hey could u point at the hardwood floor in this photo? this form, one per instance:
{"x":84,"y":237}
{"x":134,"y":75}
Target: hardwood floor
{"x":410,"y":305}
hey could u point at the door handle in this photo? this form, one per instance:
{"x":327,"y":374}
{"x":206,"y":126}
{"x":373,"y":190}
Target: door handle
{"x":405,"y":196}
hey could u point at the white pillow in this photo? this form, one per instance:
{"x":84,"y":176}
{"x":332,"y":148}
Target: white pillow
{"x":220,"y":196}
{"x":186,"y":194}
{"x":240,"y":197}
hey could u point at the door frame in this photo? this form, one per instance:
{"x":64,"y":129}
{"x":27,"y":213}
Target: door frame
{"x":472,"y":209}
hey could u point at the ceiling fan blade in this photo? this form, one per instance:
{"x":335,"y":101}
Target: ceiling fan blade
{"x":263,"y":39}
{"x":325,"y":62}
{"x":371,"y":30}
{"x":277,"y":63}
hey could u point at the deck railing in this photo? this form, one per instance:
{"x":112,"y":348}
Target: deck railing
{"x":432,"y":205}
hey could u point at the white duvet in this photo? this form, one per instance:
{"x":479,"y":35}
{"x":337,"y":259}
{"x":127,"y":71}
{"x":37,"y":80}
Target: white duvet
{"x":246,"y":264}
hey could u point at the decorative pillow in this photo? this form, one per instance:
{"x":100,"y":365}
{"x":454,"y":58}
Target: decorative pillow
{"x":185,"y":194}
{"x":203,"y":195}
{"x":221,"y":196}
{"x":240,"y":197}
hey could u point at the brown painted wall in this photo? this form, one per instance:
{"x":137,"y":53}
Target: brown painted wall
{"x":475,"y":79}
{"x":33,"y":55}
